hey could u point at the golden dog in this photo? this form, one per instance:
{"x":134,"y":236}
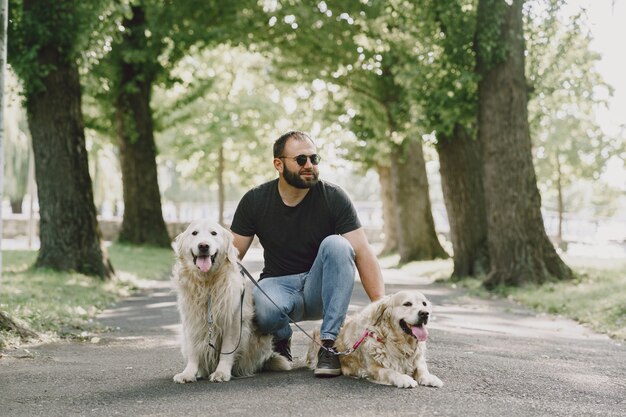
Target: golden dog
{"x":389,"y":337}
{"x":216,"y":309}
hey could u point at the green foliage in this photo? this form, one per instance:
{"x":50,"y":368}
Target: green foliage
{"x":403,"y":68}
{"x":224,"y":99}
{"x":491,"y":48}
{"x":439,"y":70}
{"x":48,"y":27}
{"x":151,"y":37}
{"x":336,"y":45}
{"x":569,"y":145}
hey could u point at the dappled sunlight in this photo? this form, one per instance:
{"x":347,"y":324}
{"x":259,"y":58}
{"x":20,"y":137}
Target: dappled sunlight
{"x":419,"y":272}
{"x":162,"y":305}
{"x":177,"y":328}
{"x":485,"y":316}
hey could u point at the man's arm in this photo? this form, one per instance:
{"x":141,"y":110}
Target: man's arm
{"x":242,"y":243}
{"x":367,"y":264}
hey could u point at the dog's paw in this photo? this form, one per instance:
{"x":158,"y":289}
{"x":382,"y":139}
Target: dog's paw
{"x":219,"y":376}
{"x":430,"y":380}
{"x":183,"y":378}
{"x":404,"y":381}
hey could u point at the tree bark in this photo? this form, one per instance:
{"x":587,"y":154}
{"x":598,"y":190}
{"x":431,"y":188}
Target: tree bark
{"x":69,"y":232}
{"x":143,"y":217}
{"x":520,"y":251}
{"x":417,"y":239}
{"x":390,"y":220}
{"x":460,"y":165}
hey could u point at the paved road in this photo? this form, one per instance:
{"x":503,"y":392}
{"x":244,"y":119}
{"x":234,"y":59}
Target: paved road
{"x":495,"y":358}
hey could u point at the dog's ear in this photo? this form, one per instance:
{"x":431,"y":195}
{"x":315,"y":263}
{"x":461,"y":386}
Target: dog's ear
{"x":232,"y":252}
{"x":381,"y":311}
{"x":178,"y":243}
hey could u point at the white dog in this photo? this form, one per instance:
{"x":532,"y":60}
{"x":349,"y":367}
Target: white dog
{"x":391,"y":336}
{"x":216,"y":309}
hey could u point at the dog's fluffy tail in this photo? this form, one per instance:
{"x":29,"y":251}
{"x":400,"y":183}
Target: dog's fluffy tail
{"x":277,"y":362}
{"x":311,"y":354}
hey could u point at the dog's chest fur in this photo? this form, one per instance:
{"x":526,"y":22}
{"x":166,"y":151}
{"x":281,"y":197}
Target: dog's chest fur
{"x":194,"y":305}
{"x":399,"y":355}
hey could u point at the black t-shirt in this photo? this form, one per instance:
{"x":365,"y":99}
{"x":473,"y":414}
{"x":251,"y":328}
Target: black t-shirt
{"x":291,"y":236}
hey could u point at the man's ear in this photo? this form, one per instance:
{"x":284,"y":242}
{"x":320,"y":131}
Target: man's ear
{"x":278,"y":164}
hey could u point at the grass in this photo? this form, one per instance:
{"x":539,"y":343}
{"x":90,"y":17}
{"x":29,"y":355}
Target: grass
{"x":595,"y":298}
{"x":62,"y":305}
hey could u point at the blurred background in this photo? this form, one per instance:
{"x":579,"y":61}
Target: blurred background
{"x":224,"y":81}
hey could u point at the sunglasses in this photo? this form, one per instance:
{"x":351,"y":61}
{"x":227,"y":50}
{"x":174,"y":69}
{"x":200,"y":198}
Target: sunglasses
{"x":301,"y":159}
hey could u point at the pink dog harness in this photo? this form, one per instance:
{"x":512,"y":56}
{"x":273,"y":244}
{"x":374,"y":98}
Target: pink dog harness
{"x":366,"y":333}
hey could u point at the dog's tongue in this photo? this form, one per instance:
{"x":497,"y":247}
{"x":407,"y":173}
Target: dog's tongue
{"x":420,"y":333}
{"x":204,"y":263}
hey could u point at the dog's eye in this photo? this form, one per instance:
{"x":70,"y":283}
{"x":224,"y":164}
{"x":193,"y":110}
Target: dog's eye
{"x":214,"y":233}
{"x":408,"y":304}
{"x":195,"y":232}
{"x":424,"y":303}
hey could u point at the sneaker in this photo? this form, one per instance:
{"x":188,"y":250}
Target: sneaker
{"x":328,"y":365}
{"x":283,"y":348}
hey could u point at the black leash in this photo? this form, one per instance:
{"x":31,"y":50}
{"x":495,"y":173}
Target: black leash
{"x":240,"y":326}
{"x":256,"y":284}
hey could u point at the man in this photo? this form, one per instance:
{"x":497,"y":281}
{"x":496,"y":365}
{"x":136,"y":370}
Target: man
{"x":312,"y":241}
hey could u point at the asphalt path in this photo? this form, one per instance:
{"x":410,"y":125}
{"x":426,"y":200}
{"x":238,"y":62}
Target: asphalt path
{"x":494,"y":357}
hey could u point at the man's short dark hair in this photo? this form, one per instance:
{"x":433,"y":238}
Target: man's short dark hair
{"x":279,"y":145}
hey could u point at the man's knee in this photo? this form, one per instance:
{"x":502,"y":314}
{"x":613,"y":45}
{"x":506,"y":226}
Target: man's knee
{"x":264,"y":311}
{"x":337,"y":246}
{"x":269,"y":316}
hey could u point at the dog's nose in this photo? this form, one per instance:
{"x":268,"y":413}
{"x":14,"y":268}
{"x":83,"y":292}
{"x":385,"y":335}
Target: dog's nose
{"x":423,"y":314}
{"x":203,"y":247}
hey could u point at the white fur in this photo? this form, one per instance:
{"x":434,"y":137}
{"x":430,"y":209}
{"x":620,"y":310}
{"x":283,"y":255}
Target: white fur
{"x":223,"y":284}
{"x":390,"y":356}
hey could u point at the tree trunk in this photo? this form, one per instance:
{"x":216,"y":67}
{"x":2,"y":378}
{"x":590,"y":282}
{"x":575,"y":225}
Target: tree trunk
{"x":143,"y":217}
{"x":390,"y":220}
{"x":460,"y":165}
{"x":69,"y":233}
{"x":519,"y":249}
{"x":417,"y":239}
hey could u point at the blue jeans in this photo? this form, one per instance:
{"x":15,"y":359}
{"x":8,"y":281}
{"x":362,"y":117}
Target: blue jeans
{"x":323,"y":292}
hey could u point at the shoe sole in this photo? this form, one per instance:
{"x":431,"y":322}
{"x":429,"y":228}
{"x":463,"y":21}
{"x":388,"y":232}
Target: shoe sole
{"x":327,"y":373}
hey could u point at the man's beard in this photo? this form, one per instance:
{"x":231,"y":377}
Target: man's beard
{"x":293,"y":178}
